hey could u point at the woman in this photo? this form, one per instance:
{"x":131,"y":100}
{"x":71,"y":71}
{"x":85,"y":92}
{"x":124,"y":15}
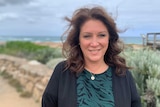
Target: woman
{"x":94,"y":75}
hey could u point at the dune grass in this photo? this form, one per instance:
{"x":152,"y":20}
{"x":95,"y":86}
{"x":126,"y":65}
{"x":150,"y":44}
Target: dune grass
{"x":30,"y":51}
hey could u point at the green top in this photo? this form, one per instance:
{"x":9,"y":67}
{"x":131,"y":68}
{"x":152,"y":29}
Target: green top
{"x":97,"y":92}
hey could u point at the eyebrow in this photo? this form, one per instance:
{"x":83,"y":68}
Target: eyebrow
{"x":103,"y":32}
{"x":91,"y":33}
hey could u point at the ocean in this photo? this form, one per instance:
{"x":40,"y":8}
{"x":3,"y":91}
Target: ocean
{"x":126,"y":40}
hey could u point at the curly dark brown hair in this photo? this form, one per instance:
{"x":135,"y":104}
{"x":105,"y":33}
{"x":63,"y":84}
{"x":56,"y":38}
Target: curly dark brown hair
{"x":71,"y":49}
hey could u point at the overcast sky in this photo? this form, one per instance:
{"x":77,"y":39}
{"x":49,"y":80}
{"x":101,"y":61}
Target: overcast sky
{"x":45,"y":17}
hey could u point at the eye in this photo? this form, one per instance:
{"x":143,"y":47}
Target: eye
{"x":102,"y":35}
{"x":87,"y":36}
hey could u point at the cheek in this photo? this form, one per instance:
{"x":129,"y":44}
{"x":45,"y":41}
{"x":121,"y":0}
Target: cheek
{"x":106,"y":44}
{"x":84,"y":46}
{"x":105,"y":41}
{"x":83,"y":43}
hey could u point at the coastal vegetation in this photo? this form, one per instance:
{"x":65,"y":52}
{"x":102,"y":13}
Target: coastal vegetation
{"x":144,"y":62}
{"x":30,"y":51}
{"x":146,"y":72}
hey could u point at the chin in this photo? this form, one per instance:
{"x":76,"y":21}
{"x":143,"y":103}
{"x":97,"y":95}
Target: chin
{"x":95,"y":59}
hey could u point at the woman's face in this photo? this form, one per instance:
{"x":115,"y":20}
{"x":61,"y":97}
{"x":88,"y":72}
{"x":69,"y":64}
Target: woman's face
{"x":94,"y":40}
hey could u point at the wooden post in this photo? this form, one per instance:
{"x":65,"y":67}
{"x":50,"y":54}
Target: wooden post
{"x":154,"y":42}
{"x":147,"y":39}
{"x":144,"y":39}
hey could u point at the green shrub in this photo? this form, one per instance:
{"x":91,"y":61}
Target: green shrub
{"x":24,"y":46}
{"x":46,"y":54}
{"x":30,"y":51}
{"x":146,"y":71}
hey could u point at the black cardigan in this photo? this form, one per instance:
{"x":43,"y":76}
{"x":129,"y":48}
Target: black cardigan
{"x":61,"y":90}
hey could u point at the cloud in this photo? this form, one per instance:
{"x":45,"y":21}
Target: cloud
{"x":48,"y":14}
{"x":13,"y":2}
{"x":10,"y":16}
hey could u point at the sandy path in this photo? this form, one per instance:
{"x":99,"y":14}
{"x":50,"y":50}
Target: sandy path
{"x":9,"y":97}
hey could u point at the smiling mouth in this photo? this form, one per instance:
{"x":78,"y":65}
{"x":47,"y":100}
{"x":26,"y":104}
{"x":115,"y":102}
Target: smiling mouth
{"x":94,"y":51}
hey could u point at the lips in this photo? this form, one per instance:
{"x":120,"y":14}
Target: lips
{"x":95,"y":51}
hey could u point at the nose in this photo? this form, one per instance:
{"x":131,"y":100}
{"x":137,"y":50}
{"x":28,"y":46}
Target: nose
{"x":94,"y":42}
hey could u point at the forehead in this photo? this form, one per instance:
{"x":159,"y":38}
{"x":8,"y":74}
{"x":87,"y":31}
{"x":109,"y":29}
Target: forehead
{"x":93,"y":25}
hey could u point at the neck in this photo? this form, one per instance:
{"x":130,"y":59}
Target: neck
{"x":96,"y":68}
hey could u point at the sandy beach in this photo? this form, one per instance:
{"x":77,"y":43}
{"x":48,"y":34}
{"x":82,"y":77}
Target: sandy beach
{"x":9,"y":97}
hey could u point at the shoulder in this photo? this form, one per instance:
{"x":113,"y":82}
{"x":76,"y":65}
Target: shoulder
{"x":60,"y":65}
{"x":60,"y":69}
{"x":127,"y":77}
{"x":127,"y":73}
